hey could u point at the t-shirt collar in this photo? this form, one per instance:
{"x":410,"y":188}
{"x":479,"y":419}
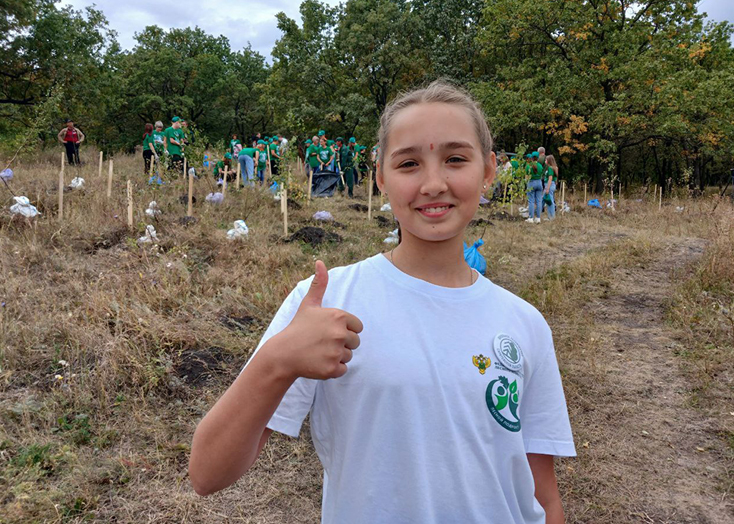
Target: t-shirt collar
{"x":387,"y":268}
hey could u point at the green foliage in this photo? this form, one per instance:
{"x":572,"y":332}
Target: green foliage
{"x":616,"y":90}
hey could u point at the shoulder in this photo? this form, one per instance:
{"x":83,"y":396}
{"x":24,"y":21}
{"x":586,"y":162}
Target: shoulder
{"x":518,"y":310}
{"x":343,"y":279}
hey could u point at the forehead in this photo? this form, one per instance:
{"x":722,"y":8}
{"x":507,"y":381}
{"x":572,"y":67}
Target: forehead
{"x":424,"y":124}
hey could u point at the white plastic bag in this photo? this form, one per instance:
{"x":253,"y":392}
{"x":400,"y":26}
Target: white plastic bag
{"x":6,"y":174}
{"x":77,"y":183}
{"x":153,"y":209}
{"x":215,"y":198}
{"x":323,"y":215}
{"x":23,"y":207}
{"x":240,"y":230}
{"x":386,"y":207}
{"x":392,"y":238}
{"x":150,"y":236}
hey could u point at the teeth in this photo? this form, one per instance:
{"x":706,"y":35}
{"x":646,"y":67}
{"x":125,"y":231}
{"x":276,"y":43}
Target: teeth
{"x":435,"y":209}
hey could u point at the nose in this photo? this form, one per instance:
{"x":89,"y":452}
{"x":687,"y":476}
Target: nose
{"x":434,"y":179}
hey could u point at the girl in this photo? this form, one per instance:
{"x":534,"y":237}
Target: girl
{"x":434,"y":394}
{"x":148,"y":148}
{"x":535,"y":188}
{"x":551,"y":171}
{"x":262,"y":160}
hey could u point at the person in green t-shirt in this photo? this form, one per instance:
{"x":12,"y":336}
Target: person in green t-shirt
{"x":550,"y":184}
{"x":262,"y":160}
{"x":326,"y":155}
{"x":347,"y":164}
{"x":173,"y":144}
{"x":148,"y":148}
{"x":275,"y":155}
{"x":535,"y":187}
{"x":219,"y":169}
{"x":248,"y":158}
{"x":312,"y":154}
{"x":232,"y":143}
{"x":332,"y":165}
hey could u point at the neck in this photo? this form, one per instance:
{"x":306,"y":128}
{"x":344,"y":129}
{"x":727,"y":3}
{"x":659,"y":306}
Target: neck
{"x":440,"y":263}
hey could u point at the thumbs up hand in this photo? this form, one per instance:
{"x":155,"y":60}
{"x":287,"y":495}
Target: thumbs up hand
{"x":318,"y":342}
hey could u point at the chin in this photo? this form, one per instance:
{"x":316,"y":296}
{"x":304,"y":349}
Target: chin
{"x":438,"y":234}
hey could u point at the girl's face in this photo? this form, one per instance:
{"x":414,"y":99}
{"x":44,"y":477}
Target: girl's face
{"x":434,"y":171}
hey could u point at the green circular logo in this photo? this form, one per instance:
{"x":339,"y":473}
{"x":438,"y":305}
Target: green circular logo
{"x":508,"y":352}
{"x":503,"y":399}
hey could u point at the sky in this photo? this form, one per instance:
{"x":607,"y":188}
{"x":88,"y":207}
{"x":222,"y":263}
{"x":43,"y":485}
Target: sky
{"x":242,"y":22}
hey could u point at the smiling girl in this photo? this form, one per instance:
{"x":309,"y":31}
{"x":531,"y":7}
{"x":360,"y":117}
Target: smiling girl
{"x":434,"y":394}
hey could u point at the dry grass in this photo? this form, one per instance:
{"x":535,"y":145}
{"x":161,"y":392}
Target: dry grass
{"x":152,"y":336}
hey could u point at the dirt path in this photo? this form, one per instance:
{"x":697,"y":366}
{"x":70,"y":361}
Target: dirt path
{"x":645,"y":455}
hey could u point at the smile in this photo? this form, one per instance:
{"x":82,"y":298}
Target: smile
{"x":434,"y":210}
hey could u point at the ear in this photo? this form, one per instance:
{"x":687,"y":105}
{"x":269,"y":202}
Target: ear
{"x":379,"y":178}
{"x":490,"y":169}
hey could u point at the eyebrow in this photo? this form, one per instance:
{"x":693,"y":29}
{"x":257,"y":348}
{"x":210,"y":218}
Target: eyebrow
{"x":444,"y":146}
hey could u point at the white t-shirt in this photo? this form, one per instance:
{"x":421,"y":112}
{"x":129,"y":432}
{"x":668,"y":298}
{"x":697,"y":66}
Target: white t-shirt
{"x":447,"y":392}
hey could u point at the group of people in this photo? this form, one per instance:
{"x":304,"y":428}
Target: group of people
{"x":169,"y":143}
{"x":349,"y":159}
{"x":542,"y":178}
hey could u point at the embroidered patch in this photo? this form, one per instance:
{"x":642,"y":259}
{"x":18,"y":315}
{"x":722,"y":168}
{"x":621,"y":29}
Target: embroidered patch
{"x":503,"y":399}
{"x":508,"y":352}
{"x":481,"y":362}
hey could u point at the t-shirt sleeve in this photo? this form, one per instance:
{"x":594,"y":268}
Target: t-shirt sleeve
{"x":546,"y":427}
{"x":296,"y":404}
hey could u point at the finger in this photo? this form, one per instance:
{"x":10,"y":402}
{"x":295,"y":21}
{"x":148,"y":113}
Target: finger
{"x":347,"y":356}
{"x":340,"y":371}
{"x":352,"y":340}
{"x":315,"y":294}
{"x":354,"y":324}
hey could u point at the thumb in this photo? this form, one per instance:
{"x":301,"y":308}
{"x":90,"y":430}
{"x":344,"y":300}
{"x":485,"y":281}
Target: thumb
{"x":315,"y":294}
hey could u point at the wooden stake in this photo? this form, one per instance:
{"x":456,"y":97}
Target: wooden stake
{"x":369,"y":197}
{"x":239,"y":170}
{"x":563,"y":195}
{"x":611,"y":201}
{"x":100,"y":164}
{"x":224,"y":181}
{"x":185,"y":169}
{"x":190,"y":209}
{"x":109,"y":179}
{"x":585,"y":194}
{"x":660,"y":206}
{"x":504,"y":195}
{"x":129,"y":204}
{"x":61,"y":189}
{"x":270,"y":166}
{"x":152,"y":165}
{"x":655,"y":193}
{"x":284,"y":199}
{"x":310,"y":182}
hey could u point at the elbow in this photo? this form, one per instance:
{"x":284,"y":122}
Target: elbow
{"x":202,"y":486}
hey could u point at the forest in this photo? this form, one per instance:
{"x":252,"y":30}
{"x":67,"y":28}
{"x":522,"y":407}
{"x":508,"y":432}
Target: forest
{"x":637,"y":93}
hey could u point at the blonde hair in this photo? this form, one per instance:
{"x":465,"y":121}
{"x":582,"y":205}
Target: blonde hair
{"x":552,"y":162}
{"x":438,"y":91}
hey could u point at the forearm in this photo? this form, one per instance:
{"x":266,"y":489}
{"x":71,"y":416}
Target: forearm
{"x":226,"y":441}
{"x":553,"y":512}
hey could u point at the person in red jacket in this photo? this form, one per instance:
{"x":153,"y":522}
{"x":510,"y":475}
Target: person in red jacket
{"x":71,"y":137}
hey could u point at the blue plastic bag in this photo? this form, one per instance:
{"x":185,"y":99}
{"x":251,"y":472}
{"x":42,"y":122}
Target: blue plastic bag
{"x":274,"y":187}
{"x":474,"y":258}
{"x":595,"y":203}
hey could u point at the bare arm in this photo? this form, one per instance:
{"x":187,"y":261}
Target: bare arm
{"x":230,"y":437}
{"x":546,"y":488}
{"x":317,"y":344}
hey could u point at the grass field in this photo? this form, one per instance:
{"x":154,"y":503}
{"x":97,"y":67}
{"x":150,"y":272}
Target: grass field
{"x":111,"y":352}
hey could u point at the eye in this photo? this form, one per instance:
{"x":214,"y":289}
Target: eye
{"x":407,"y":164}
{"x":456,"y":160}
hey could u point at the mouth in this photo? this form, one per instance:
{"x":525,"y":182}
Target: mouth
{"x":435,"y":210}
